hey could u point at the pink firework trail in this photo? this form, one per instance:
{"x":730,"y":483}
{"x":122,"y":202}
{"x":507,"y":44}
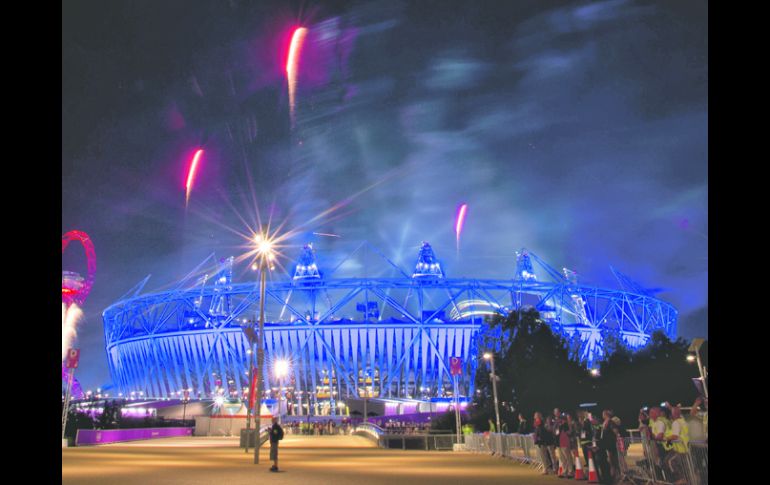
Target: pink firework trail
{"x":292,"y":64}
{"x":191,"y":173}
{"x":459,"y":223}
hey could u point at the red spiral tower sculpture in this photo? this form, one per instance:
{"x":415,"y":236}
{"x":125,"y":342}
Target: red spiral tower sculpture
{"x":75,"y":288}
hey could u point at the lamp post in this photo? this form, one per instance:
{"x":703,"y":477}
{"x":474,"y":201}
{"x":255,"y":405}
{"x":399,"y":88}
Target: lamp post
{"x":184,"y":404}
{"x":366,"y":399}
{"x":249,"y":330}
{"x":260,"y":362}
{"x":491,"y":357}
{"x":695,"y":347}
{"x":265,"y":257}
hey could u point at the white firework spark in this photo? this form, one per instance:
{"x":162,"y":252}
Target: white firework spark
{"x":69,"y":320}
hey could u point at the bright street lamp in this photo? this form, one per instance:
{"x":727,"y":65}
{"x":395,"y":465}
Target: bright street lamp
{"x":264,"y":245}
{"x":265,"y":257}
{"x":491,"y":357}
{"x":281,"y":370}
{"x":695,"y":347}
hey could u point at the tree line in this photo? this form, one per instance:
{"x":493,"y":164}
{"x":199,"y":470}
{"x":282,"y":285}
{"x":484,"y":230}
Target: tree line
{"x":539,"y":370}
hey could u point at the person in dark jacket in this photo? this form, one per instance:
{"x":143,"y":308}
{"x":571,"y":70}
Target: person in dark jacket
{"x":553,"y":425}
{"x":523,"y":425}
{"x":607,"y":455}
{"x":586,"y":434}
{"x":565,"y":449}
{"x":543,"y":439}
{"x":276,"y":435}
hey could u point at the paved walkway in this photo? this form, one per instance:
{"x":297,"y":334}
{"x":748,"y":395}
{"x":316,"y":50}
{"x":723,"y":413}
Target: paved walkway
{"x":305,"y":460}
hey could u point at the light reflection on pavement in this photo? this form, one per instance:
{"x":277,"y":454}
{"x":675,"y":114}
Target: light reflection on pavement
{"x":303,"y":459}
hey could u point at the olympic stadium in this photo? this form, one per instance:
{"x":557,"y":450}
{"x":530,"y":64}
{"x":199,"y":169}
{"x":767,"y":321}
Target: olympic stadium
{"x":386,"y":338}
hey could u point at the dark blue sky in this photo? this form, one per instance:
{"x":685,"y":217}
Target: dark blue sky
{"x":575,"y":129}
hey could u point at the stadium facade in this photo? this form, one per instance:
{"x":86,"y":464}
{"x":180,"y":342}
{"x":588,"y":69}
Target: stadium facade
{"x":347,"y":337}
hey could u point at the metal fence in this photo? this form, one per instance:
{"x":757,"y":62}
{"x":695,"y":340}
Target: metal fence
{"x":413,"y":441}
{"x":638,"y":460}
{"x":369,"y":430}
{"x":698,"y":462}
{"x":518,"y":447}
{"x":440,"y":442}
{"x":645,"y":462}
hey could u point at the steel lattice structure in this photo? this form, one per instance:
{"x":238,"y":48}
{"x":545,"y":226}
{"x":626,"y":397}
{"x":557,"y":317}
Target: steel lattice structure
{"x":75,"y":288}
{"x":379,"y":337}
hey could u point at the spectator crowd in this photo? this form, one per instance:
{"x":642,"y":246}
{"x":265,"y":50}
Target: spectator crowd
{"x":317,"y":428}
{"x":561,"y":436}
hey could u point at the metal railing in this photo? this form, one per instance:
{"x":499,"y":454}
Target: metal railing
{"x":643,"y":461}
{"x":369,"y":430}
{"x":698,"y":462}
{"x":412,"y":441}
{"x":425,"y":442}
{"x":518,"y":447}
{"x":639,"y":460}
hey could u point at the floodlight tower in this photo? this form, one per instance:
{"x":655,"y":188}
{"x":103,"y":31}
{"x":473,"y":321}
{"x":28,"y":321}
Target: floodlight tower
{"x":306,"y":268}
{"x":524,"y":270}
{"x":427,"y":265}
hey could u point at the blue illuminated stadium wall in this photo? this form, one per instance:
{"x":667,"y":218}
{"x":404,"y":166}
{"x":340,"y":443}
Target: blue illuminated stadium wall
{"x":374,"y":337}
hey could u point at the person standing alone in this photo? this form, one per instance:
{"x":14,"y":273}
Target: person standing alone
{"x":276,"y":435}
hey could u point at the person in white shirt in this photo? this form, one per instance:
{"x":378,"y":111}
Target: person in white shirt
{"x":658,"y":426}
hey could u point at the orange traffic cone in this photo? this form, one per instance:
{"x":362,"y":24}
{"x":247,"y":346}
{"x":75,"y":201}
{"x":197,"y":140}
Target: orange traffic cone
{"x":578,"y":469}
{"x":592,"y":477}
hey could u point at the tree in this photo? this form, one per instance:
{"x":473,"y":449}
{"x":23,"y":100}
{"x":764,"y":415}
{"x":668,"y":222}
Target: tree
{"x":535,"y":369}
{"x":447,"y":421}
{"x":657,"y":373}
{"x":539,"y":370}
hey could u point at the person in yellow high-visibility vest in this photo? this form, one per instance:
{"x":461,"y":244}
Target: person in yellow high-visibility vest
{"x":658,"y":426}
{"x":678,"y":436}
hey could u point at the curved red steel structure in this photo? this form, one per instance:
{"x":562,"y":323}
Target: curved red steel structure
{"x":71,"y":295}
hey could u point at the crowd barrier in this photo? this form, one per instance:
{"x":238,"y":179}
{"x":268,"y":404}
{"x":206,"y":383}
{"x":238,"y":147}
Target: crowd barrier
{"x":643,"y":461}
{"x":518,"y":447}
{"x":638,"y":459}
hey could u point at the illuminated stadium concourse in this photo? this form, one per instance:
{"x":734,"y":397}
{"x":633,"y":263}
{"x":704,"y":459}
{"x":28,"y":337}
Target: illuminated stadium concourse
{"x":348,"y":337}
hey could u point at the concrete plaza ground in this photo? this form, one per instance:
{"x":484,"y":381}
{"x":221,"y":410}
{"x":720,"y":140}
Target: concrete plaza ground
{"x":305,"y":460}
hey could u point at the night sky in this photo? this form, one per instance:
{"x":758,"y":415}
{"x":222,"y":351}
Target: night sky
{"x":575,"y":129}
